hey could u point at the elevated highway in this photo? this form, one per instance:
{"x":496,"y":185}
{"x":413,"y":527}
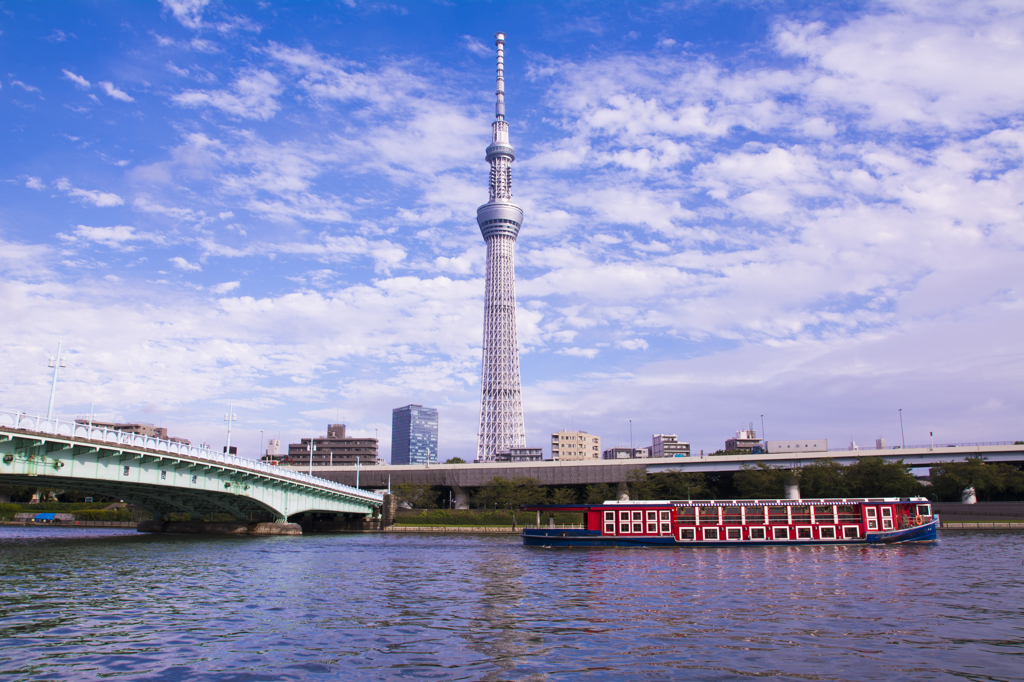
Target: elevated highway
{"x":165,"y":477}
{"x":459,"y":477}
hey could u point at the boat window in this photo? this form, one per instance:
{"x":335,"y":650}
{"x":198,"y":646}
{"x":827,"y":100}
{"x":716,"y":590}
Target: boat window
{"x":687,"y":533}
{"x":757,"y":533}
{"x":686,"y":515}
{"x":924,"y":510}
{"x":652,"y":516}
{"x":871,"y":512}
{"x":652,"y":527}
{"x":777,"y":515}
{"x":710,"y":533}
{"x":665,"y":516}
{"x":609,"y":528}
{"x":851,"y":532}
{"x":731,"y":515}
{"x":847,"y":513}
{"x":638,"y":528}
{"x":887,"y":518}
{"x":827,"y":533}
{"x":887,"y":512}
{"x":803,"y":533}
{"x":609,"y":516}
{"x":623,"y":529}
{"x":734,"y":533}
{"x":780,"y":533}
{"x":823,"y":514}
{"x":755,"y":515}
{"x":801,"y":514}
{"x":709,"y":515}
{"x":638,"y":516}
{"x":666,"y":527}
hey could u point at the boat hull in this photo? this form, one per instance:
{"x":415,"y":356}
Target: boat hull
{"x":559,"y":538}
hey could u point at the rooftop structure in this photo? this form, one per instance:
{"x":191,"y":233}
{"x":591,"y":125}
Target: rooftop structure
{"x":746,"y":440}
{"x":501,"y":406}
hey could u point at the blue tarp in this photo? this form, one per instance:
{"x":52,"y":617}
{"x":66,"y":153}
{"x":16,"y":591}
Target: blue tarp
{"x":45,"y":517}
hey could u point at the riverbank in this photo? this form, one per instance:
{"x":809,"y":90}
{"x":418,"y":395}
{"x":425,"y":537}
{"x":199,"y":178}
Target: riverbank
{"x":73,"y":524}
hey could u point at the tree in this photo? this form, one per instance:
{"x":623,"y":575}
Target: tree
{"x":678,"y":485}
{"x":562,"y":496}
{"x":826,"y":478}
{"x":641,"y":487}
{"x":455,"y":460}
{"x":875,"y":477}
{"x":510,"y":493}
{"x":988,"y":480}
{"x":761,"y":481}
{"x":416,"y":495}
{"x":598,"y":493}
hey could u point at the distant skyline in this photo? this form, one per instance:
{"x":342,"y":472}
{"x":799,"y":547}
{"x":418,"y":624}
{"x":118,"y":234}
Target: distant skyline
{"x":810,"y":213}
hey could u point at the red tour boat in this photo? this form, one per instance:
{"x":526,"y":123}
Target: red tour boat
{"x":740,"y":522}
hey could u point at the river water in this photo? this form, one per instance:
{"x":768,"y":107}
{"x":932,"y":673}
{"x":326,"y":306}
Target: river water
{"x":90,"y":604}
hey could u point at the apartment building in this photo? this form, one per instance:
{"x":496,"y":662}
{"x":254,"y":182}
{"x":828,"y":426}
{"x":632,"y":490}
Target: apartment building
{"x":569,"y":446}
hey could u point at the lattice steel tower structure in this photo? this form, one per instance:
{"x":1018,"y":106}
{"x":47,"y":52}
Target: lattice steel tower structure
{"x":501,"y":403}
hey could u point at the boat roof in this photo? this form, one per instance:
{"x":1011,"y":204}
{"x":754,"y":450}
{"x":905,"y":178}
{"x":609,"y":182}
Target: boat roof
{"x":737,"y":503}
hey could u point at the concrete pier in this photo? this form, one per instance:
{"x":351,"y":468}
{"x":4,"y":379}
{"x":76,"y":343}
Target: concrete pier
{"x":219,"y":528}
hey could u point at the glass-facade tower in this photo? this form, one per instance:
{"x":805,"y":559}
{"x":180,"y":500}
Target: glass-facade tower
{"x":414,"y":435}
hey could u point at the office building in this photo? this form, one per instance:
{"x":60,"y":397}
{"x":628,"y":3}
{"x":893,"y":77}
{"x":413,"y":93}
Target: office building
{"x":575,"y":445}
{"x":668,"y":445}
{"x":625,"y":453}
{"x":520,"y":455}
{"x":336,"y":449}
{"x":414,"y":435}
{"x":746,"y":441}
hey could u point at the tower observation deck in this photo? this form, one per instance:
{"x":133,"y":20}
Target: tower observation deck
{"x":501,"y":405}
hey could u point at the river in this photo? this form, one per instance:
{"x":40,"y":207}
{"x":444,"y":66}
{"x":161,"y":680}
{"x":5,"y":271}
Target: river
{"x":96,"y":604}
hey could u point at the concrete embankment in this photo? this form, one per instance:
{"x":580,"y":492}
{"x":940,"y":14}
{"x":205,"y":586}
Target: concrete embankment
{"x":981,"y":525}
{"x":220,"y":528}
{"x":73,"y":524}
{"x":484,"y":530}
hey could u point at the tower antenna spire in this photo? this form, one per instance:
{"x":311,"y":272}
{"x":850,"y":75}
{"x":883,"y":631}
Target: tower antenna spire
{"x":499,"y":105}
{"x":501,"y":406}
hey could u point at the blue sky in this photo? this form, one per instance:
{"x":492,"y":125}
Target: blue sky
{"x":732,"y":210}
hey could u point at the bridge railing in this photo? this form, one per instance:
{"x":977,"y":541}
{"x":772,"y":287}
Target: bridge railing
{"x":868,"y":448}
{"x":75,"y":429}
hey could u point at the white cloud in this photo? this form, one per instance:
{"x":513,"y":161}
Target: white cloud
{"x":632,"y":344}
{"x":94,"y":197}
{"x":252,"y":95}
{"x":76,"y":79}
{"x":183,"y":264}
{"x":32,"y":182}
{"x":589,"y":353}
{"x":476,"y":47}
{"x":225,"y":287}
{"x":25,"y":86}
{"x":117,"y":237}
{"x":111,"y":91}
{"x":188,"y":12}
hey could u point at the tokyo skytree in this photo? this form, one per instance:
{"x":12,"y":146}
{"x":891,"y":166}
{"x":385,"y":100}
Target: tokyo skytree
{"x":501,"y":403}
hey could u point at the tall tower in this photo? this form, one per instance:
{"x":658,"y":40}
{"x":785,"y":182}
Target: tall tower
{"x":501,"y":404}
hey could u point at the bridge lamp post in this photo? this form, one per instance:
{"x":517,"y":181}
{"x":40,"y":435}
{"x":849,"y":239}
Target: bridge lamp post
{"x":230,"y":417}
{"x":902,"y":437}
{"x":57,"y":361}
{"x":261,"y":443}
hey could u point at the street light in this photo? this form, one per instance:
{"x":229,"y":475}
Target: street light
{"x":902,"y":437}
{"x":229,"y":417}
{"x":57,"y":361}
{"x":261,"y":443}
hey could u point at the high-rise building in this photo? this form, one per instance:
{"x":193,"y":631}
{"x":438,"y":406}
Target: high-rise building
{"x":501,"y":406}
{"x":575,"y":445}
{"x":414,"y":435}
{"x":336,"y":449}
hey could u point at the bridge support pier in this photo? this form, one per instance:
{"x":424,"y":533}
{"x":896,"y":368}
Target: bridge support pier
{"x":219,"y":528}
{"x":461,"y":497}
{"x":793,"y":487}
{"x":622,"y":491}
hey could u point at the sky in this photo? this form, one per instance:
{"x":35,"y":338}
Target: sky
{"x":734,"y":212}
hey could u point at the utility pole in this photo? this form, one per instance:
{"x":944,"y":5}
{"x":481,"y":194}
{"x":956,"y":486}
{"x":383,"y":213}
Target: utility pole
{"x":632,"y":452}
{"x":57,"y":361}
{"x":229,"y":417}
{"x":902,"y":437}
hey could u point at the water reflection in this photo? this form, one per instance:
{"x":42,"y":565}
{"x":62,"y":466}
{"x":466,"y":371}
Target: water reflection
{"x":90,"y":604}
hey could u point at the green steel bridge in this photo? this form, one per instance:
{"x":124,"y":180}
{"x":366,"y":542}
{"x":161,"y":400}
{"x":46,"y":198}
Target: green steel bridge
{"x":165,"y":477}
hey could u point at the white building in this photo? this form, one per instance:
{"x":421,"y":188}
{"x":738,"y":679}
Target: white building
{"x":625,"y":453}
{"x":574,"y":446}
{"x":805,"y":445}
{"x":745,"y":441}
{"x":668,"y":445}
